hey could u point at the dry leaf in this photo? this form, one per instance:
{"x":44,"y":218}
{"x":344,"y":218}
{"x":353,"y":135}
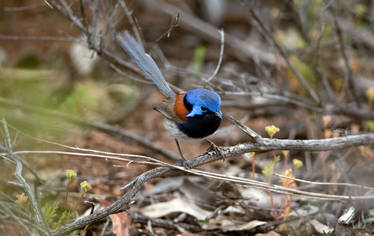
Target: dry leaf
{"x":321,"y":228}
{"x":366,"y":152}
{"x":271,"y":233}
{"x":200,"y":195}
{"x":175,"y":205}
{"x":21,"y":198}
{"x":121,"y":224}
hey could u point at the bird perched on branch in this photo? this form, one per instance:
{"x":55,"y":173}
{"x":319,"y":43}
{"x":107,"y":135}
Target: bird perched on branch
{"x":194,"y":114}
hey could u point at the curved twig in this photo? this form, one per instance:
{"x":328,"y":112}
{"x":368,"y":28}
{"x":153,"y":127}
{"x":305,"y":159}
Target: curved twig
{"x":264,"y":144}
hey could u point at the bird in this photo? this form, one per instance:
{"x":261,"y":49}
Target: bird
{"x":193,"y":114}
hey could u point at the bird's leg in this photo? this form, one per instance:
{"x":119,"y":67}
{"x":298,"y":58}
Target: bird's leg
{"x":184,"y":161}
{"x":214,"y":147}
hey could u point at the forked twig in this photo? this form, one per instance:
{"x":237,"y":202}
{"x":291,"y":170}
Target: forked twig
{"x":251,"y":134}
{"x":29,"y":192}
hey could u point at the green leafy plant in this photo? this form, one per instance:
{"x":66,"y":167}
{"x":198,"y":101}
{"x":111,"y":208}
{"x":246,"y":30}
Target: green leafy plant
{"x":268,"y":171}
{"x":253,"y":163}
{"x":55,"y":213}
{"x":70,"y":175}
{"x":297,"y":164}
{"x":85,"y":187}
{"x":271,"y":130}
{"x":65,"y":217}
{"x":50,"y":212}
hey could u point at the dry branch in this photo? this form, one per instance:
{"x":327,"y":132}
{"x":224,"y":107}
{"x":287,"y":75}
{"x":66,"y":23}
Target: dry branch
{"x":105,"y":128}
{"x":264,"y":144}
{"x":211,"y":32}
{"x":285,"y":56}
{"x":349,"y":80}
{"x":259,"y":144}
{"x":38,"y":216}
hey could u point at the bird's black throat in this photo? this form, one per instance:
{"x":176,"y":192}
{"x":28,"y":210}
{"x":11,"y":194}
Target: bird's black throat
{"x":200,"y":126}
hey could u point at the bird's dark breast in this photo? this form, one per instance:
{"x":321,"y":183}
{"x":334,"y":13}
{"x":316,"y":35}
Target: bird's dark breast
{"x":200,"y":126}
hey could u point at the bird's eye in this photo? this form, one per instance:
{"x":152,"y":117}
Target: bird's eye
{"x":204,"y":109}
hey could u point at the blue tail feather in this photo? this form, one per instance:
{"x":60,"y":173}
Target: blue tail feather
{"x":145,"y":62}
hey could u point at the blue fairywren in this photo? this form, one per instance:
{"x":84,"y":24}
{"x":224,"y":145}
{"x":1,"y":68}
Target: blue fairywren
{"x":193,"y":114}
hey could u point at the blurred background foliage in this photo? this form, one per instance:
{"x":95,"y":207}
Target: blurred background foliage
{"x":62,"y":75}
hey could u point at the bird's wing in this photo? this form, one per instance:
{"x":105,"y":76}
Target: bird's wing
{"x":166,"y":109}
{"x":145,"y":62}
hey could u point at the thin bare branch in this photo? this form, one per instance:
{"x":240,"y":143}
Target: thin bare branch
{"x":30,"y":193}
{"x":131,"y":20}
{"x":264,"y":145}
{"x":105,"y":156}
{"x":285,"y":56}
{"x":174,"y":23}
{"x":317,"y":67}
{"x":16,"y":218}
{"x":40,"y":38}
{"x":349,"y":80}
{"x":220,"y":56}
{"x":23,"y":8}
{"x":251,"y":134}
{"x":325,"y":183}
{"x":211,"y":32}
{"x":283,"y":98}
{"x":111,"y":130}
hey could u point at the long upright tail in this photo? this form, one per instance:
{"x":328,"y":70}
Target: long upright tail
{"x":145,"y":62}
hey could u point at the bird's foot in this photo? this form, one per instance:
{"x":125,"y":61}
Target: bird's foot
{"x":214,"y":147}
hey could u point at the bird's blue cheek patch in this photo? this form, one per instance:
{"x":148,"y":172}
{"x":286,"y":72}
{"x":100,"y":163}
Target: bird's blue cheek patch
{"x":196,"y":111}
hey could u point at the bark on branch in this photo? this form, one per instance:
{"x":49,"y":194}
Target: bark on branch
{"x":263,"y":144}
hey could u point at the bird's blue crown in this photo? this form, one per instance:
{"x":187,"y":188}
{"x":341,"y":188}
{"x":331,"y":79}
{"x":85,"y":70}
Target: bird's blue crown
{"x":203,"y":100}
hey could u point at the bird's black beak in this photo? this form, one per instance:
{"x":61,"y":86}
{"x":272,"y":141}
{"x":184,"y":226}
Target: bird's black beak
{"x":218,"y":114}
